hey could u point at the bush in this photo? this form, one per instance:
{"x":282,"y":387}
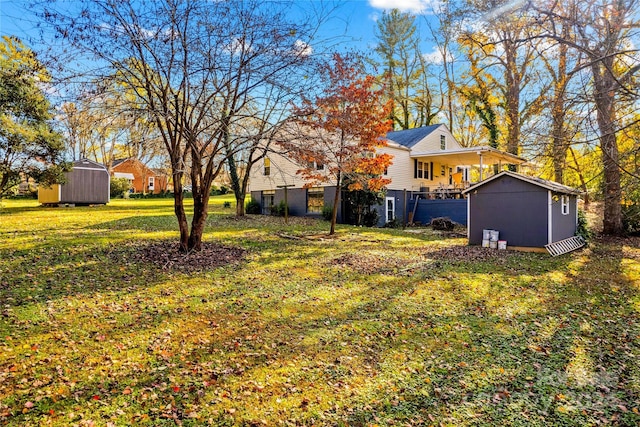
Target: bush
{"x":118,"y":187}
{"x":279,"y":209}
{"x":253,"y":207}
{"x":631,"y":218}
{"x":327,"y":212}
{"x":223,"y":190}
{"x":583,"y":229}
{"x":226,"y":205}
{"x":370,"y":218}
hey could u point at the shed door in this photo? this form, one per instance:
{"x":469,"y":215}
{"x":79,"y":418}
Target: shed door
{"x":390,"y":209}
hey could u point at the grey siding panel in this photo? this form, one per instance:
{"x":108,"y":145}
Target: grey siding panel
{"x":564,"y":226}
{"x":517,"y":209}
{"x":86,"y":186}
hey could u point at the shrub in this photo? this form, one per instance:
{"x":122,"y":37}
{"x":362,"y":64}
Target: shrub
{"x":223,"y":189}
{"x":279,"y":209}
{"x":327,"y":212}
{"x":370,"y":218}
{"x":118,"y":187}
{"x":226,"y":205}
{"x":631,"y":218}
{"x":253,"y":207}
{"x":583,"y":229}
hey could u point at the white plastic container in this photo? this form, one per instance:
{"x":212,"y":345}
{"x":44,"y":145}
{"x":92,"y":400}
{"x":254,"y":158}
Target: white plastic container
{"x":502,"y":245}
{"x":495,"y":234}
{"x":486,"y":234}
{"x":485,"y":243}
{"x":493,"y":244}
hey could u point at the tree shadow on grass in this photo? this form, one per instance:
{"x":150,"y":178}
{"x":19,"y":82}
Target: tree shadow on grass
{"x":344,"y":347}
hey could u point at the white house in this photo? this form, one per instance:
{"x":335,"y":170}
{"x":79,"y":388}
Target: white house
{"x":427,"y":163}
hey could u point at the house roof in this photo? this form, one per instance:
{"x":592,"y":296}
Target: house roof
{"x":410,"y":137}
{"x":471,"y":156}
{"x":549,"y":185}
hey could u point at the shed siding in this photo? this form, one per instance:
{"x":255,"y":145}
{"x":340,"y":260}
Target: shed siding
{"x":86,"y":186}
{"x":563,"y":226}
{"x":517,"y":209}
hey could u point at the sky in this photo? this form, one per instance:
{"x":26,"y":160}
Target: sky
{"x":354,"y":20}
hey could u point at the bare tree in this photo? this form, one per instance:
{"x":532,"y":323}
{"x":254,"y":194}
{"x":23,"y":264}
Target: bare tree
{"x":601,"y":31}
{"x":192,"y":65}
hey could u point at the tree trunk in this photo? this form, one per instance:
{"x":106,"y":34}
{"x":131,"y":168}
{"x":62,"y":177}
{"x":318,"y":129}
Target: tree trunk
{"x":559,"y":143}
{"x":183,"y":224}
{"x":240,"y":204}
{"x":200,"y":214}
{"x":512,"y":101}
{"x":604,"y":97}
{"x":336,"y":200}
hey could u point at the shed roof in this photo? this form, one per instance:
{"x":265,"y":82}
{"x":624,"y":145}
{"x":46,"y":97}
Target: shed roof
{"x":549,"y":185}
{"x":410,"y":137}
{"x":88,"y":164}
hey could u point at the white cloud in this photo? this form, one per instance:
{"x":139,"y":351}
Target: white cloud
{"x":302,"y":48}
{"x":413,"y":6}
{"x":437,"y":56}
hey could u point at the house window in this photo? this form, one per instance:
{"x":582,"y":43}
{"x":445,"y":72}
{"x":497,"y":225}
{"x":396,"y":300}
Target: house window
{"x":319,"y":166}
{"x":443,"y":170}
{"x":315,"y":200}
{"x":267,"y":166}
{"x":268,"y":200}
{"x":421,"y":169}
{"x":564,"y":202}
{"x":151,"y":183}
{"x":443,"y":142}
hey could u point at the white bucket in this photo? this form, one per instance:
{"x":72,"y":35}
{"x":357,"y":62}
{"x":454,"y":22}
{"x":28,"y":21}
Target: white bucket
{"x":502,"y":244}
{"x":493,"y":244}
{"x":486,"y":234}
{"x":485,"y":243}
{"x":494,"y":235}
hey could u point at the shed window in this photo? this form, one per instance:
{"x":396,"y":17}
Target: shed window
{"x":564,"y":201}
{"x":315,"y":200}
{"x":267,"y":166}
{"x":151,"y":183}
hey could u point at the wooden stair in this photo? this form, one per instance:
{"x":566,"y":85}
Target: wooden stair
{"x":565,"y":246}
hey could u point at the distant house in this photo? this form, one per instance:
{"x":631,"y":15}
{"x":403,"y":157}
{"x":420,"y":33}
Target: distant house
{"x":142,"y":178}
{"x":87,"y":183}
{"x":526,"y":211}
{"x":428,"y":163}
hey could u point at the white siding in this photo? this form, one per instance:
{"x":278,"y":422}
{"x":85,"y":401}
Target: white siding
{"x":283,"y":172}
{"x":432,"y":141}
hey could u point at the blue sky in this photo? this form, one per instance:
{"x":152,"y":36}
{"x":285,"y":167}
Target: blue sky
{"x":354,"y":19}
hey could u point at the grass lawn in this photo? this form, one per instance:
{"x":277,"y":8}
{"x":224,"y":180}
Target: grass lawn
{"x":374,"y":327}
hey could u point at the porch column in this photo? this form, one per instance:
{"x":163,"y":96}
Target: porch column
{"x":480,"y":155}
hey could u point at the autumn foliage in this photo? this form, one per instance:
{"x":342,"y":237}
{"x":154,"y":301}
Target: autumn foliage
{"x":339,"y":131}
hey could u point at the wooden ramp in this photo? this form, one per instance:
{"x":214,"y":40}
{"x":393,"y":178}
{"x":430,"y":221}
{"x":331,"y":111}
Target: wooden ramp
{"x":565,"y":246}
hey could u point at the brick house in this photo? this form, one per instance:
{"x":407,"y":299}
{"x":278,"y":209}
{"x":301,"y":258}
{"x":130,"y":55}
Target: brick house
{"x":143,"y":179}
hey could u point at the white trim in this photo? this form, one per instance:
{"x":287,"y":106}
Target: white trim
{"x":386,"y":208}
{"x":565,"y":202}
{"x":550,"y":218}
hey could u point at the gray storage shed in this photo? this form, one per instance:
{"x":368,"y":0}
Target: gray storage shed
{"x":86,"y":184}
{"x":527,"y":211}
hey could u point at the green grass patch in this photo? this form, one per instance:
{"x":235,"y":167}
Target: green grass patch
{"x":373,"y":327}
